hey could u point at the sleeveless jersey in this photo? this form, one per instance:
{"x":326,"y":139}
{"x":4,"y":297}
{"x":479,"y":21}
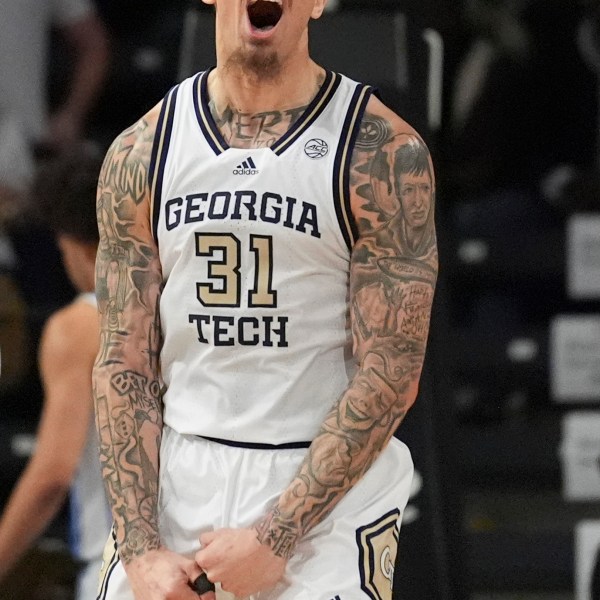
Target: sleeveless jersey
{"x":255,"y":250}
{"x":90,"y":517}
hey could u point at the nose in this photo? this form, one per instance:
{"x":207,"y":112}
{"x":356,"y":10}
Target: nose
{"x":420,"y":197}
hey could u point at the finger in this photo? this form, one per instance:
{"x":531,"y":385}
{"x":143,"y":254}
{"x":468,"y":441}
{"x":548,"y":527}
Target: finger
{"x":188,"y":593}
{"x":204,"y":561}
{"x":193,"y":571}
{"x":207,"y":537}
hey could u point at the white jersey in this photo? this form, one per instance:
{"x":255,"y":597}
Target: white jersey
{"x":255,"y":251}
{"x":205,"y":486}
{"x":90,"y":517}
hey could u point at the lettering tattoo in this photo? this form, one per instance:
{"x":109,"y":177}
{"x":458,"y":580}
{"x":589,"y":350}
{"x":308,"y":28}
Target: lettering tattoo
{"x":127,"y":390}
{"x":256,"y":130}
{"x":392,"y":280}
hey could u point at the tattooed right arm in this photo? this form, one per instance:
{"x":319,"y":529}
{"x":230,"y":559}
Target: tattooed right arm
{"x":126,"y":377}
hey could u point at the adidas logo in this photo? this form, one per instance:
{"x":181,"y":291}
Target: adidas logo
{"x":246,"y":168}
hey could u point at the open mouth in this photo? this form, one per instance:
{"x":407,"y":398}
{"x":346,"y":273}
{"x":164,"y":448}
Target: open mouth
{"x":356,"y":415}
{"x":264,"y":14}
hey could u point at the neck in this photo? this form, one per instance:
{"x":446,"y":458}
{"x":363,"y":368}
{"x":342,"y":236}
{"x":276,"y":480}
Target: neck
{"x":233,"y":84}
{"x":253,"y":111}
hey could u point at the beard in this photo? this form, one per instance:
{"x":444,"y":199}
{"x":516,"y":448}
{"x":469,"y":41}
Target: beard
{"x":263,"y":64}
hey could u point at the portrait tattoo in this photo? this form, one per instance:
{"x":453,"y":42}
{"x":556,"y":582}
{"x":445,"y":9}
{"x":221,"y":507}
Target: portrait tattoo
{"x":392,"y":280}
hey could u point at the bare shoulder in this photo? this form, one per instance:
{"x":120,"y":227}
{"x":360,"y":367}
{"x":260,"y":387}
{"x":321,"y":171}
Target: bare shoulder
{"x":125,"y":169}
{"x":124,"y":209}
{"x":71,"y":333}
{"x":379,"y":117}
{"x":392,"y":180}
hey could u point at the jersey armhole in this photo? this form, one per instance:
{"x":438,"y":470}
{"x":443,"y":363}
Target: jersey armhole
{"x":158,"y":158}
{"x":343,"y":158}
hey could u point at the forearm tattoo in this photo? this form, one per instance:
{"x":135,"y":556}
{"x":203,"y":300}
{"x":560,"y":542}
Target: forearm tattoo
{"x":126,"y":383}
{"x":392,"y":280}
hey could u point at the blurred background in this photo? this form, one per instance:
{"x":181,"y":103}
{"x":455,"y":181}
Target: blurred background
{"x":506,"y":432}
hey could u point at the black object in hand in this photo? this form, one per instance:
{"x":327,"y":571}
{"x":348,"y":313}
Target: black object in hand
{"x":201,"y":584}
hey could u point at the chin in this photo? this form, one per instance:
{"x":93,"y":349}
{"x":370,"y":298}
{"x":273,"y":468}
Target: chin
{"x":259,"y":60}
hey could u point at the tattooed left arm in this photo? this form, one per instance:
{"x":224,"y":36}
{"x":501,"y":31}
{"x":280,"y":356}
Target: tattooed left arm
{"x":392,"y":280}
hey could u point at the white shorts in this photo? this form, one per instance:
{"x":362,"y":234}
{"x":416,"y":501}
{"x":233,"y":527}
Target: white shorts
{"x":87,"y":580}
{"x":206,"y":485}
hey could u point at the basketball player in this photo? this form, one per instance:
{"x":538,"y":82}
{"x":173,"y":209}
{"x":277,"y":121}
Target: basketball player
{"x":66,"y":454}
{"x":263,"y":328}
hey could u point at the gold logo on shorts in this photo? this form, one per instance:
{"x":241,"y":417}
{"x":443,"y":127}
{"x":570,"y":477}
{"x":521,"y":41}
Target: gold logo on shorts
{"x":378,"y":547}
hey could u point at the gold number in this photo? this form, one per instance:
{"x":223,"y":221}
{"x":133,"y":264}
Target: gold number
{"x":223,"y":251}
{"x":225,"y":270}
{"x":262,"y":294}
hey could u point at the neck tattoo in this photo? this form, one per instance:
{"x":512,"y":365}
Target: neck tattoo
{"x":254,"y":130}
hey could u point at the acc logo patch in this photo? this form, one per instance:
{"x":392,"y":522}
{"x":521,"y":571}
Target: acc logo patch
{"x":378,"y":547}
{"x":316,"y":148}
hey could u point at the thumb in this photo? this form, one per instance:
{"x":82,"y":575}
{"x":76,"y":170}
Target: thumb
{"x":207,"y":537}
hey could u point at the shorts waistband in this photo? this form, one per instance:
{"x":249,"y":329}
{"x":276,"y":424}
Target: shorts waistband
{"x":287,"y":446}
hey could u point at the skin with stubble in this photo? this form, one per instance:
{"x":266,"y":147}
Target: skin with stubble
{"x":261,"y":85}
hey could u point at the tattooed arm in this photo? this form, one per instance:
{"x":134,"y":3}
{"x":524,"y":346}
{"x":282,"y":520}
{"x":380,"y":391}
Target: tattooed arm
{"x":392,"y":279}
{"x":126,"y":376}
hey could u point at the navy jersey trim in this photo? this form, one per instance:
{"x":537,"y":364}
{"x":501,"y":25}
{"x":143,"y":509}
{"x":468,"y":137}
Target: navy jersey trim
{"x":253,"y":446}
{"x":155,"y":144}
{"x":160,"y":150}
{"x":311,"y":114}
{"x":341,"y":165}
{"x":214,"y":137}
{"x":114,"y":561}
{"x":209,"y":128}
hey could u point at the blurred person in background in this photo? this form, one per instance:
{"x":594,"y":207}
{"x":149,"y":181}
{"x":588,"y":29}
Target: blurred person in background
{"x":488,"y":109}
{"x":30,"y":125}
{"x":524,"y":112}
{"x":25,"y":30}
{"x":66,"y":454}
{"x":574,"y":184}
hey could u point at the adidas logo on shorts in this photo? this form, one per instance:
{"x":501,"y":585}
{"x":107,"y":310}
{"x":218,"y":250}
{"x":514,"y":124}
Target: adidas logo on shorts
{"x":246,"y":168}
